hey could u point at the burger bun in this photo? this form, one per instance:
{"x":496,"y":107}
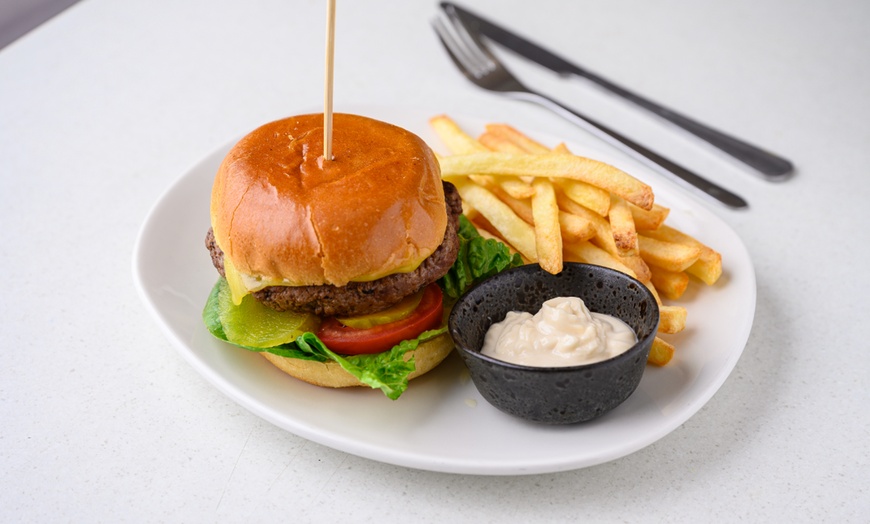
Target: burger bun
{"x":426,"y":356}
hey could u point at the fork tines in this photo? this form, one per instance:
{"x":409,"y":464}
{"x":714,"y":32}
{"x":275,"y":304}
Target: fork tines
{"x":463,"y":48}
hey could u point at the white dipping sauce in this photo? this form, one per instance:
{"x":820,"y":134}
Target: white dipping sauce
{"x":563,"y":333}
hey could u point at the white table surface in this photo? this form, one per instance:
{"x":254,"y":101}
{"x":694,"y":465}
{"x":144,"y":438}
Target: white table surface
{"x":102,"y":108}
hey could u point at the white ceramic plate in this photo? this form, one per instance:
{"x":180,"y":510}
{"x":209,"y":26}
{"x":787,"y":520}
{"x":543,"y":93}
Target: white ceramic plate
{"x":441,"y":423}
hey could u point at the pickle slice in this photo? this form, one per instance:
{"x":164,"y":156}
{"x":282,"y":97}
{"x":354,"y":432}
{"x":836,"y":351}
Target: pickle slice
{"x":254,"y":325}
{"x":392,"y":314}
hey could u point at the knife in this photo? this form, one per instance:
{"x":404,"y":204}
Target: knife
{"x":769,"y":165}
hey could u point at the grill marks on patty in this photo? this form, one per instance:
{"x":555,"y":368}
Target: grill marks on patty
{"x":358,"y":298}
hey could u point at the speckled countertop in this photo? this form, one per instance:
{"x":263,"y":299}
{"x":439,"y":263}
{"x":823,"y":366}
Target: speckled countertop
{"x":105,"y":106}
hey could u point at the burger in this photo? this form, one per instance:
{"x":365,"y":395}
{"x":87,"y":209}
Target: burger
{"x":335,"y":269}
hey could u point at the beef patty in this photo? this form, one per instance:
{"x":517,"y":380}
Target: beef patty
{"x":359,"y":298}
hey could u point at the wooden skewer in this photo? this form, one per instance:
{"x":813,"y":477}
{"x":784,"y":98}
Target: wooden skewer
{"x":327,"y":98}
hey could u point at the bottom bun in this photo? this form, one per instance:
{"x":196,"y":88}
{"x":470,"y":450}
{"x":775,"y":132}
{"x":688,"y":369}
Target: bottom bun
{"x":329,"y":374}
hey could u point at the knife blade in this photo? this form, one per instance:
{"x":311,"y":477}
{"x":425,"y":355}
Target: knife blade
{"x":771,"y":166}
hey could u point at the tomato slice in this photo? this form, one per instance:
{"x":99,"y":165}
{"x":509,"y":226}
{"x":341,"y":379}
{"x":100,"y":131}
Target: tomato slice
{"x":351,"y":341}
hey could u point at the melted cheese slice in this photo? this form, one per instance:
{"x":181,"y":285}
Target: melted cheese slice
{"x":241,"y":284}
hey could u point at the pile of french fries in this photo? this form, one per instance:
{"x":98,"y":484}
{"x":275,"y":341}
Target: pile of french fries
{"x":550,"y":206}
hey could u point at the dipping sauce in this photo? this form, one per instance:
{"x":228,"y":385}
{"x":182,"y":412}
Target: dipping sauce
{"x":563,"y":333}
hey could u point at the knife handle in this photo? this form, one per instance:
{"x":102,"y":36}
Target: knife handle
{"x":773,"y":167}
{"x":650,"y":157}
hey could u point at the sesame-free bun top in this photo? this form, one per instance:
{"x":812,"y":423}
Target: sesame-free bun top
{"x":280,"y":211}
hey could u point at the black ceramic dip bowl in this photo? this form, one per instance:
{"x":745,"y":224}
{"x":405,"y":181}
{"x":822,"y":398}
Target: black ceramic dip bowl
{"x":555,"y":395}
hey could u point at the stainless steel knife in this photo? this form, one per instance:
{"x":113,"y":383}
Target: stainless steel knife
{"x":771,"y":166}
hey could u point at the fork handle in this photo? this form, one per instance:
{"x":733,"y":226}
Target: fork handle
{"x":651,"y":157}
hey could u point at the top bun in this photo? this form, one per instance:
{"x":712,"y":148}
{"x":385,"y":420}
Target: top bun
{"x":279,"y":211}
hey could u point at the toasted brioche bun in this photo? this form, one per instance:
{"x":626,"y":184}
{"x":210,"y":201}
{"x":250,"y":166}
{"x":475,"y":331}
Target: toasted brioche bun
{"x":329,"y":374}
{"x":279,"y":211}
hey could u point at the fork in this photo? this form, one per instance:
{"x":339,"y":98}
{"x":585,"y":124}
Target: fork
{"x":481,"y":67}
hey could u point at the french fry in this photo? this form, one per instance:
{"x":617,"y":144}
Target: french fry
{"x":482,"y":180}
{"x":487,"y":231}
{"x":514,"y":186}
{"x":575,"y":228}
{"x":593,"y":198}
{"x":708,"y":267}
{"x":506,"y":139}
{"x":589,"y":253}
{"x":603,"y":234}
{"x":587,"y":195}
{"x":648,"y":220}
{"x":617,"y":236}
{"x":508,"y":134}
{"x":521,"y":206}
{"x":572,"y":227}
{"x":655,"y":293}
{"x":470,"y":213}
{"x":668,"y":255}
{"x":622,"y":227}
{"x":672,"y":319}
{"x":562,"y":148}
{"x":456,"y":140}
{"x":637,"y":264}
{"x":498,"y":143}
{"x":550,"y":165}
{"x":482,"y":224}
{"x":548,"y":236}
{"x":512,"y":228}
{"x":670,"y":284}
{"x":660,"y":353}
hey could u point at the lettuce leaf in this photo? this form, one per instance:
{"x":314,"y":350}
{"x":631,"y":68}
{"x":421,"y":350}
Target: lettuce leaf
{"x":387,"y":371}
{"x":479,"y":258}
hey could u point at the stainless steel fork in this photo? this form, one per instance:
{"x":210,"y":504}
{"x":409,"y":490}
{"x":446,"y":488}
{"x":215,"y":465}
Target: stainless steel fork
{"x":479,"y":65}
